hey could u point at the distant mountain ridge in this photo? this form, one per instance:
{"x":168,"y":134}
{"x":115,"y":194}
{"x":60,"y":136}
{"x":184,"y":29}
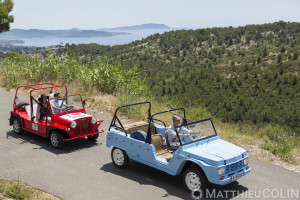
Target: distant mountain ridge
{"x":137,"y":27}
{"x":75,"y":33}
{"x":78,"y":33}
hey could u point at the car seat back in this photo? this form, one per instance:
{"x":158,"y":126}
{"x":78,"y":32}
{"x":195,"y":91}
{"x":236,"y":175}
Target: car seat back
{"x":28,"y":110}
{"x":139,"y":135}
{"x":157,"y":142}
{"x":169,"y":147}
{"x":167,"y":138}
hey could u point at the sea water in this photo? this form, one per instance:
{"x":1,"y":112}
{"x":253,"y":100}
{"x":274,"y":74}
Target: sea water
{"x":112,"y":40}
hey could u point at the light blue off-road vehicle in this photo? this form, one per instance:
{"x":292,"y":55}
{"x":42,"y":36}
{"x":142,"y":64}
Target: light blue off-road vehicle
{"x":201,"y":158}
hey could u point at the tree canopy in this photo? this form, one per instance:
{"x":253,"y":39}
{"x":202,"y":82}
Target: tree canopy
{"x":6,"y":7}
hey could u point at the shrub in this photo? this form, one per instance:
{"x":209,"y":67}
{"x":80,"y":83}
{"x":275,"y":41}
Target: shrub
{"x":20,"y":69}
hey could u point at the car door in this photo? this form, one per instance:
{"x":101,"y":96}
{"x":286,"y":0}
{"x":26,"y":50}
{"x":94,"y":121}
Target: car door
{"x":33,"y":124}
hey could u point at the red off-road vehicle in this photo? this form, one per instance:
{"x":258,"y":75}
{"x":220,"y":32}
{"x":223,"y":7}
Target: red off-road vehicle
{"x":67,"y":120}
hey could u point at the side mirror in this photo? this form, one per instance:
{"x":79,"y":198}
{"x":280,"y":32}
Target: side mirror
{"x":83,"y":102}
{"x":219,"y":132}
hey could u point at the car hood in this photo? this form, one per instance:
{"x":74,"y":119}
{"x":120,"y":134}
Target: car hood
{"x":68,"y":118}
{"x":215,"y":152}
{"x":74,"y":116}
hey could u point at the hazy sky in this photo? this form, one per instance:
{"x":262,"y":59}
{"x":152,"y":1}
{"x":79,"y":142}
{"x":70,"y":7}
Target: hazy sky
{"x":93,"y":14}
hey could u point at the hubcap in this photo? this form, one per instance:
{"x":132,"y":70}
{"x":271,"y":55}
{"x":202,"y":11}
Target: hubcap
{"x":16,"y":126}
{"x":54,"y":140}
{"x":118,"y":157}
{"x":192,"y":181}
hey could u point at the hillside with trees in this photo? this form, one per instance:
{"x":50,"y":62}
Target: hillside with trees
{"x":246,"y":74}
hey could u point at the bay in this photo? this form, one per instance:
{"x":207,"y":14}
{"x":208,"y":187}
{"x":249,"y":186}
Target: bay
{"x":114,"y":40}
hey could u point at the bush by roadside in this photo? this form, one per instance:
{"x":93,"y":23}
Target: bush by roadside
{"x":16,"y":190}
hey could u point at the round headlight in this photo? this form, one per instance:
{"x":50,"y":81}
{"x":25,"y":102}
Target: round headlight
{"x":93,"y":120}
{"x":221,"y":171}
{"x":246,"y":161}
{"x":73,"y":124}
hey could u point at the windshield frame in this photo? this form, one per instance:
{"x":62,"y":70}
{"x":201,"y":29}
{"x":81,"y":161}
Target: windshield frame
{"x":82,"y":110}
{"x":196,"y":140}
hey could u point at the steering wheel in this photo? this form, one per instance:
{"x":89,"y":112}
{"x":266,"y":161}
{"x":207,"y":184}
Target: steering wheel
{"x":198,"y":133}
{"x":70,"y":108}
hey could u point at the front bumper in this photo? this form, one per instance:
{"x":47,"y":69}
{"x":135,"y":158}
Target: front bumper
{"x":74,"y":138}
{"x":228,"y":178}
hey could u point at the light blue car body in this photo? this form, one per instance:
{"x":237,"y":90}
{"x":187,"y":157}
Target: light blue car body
{"x":209,"y":154}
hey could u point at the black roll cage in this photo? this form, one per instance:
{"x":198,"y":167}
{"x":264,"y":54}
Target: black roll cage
{"x":151,"y":119}
{"x":115,"y":117}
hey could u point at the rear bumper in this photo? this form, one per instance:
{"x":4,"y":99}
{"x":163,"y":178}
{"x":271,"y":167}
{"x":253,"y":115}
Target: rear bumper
{"x":74,"y":138}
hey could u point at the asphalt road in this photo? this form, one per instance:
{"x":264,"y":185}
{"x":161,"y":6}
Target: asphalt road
{"x":83,"y":170}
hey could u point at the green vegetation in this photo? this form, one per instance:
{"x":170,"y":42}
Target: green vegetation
{"x":246,"y":74}
{"x":15,"y":190}
{"x":6,"y":7}
{"x":246,"y":77}
{"x":20,"y":69}
{"x":18,"y":191}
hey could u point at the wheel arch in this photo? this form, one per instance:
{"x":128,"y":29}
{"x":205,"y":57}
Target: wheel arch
{"x":12,"y":116}
{"x":118,"y":147}
{"x":192,"y":164}
{"x":53,"y":128}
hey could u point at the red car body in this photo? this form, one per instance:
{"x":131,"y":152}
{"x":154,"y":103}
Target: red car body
{"x":23,"y":114}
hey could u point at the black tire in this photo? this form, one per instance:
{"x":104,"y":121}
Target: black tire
{"x":22,"y":105}
{"x":119,"y":158}
{"x":56,"y":139}
{"x":17,"y":126}
{"x":194,"y":179}
{"x":93,"y":137}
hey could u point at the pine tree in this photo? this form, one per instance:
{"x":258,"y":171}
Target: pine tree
{"x":6,"y":7}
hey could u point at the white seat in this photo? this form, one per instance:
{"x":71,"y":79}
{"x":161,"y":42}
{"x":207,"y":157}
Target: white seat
{"x":28,"y":110}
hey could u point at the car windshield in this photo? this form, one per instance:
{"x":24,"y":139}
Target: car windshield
{"x":198,"y":131}
{"x":66,"y":104}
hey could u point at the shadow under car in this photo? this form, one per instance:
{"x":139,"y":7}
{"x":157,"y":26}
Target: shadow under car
{"x":44,"y":143}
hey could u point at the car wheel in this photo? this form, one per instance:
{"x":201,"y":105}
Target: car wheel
{"x":17,"y":126}
{"x":194,"y":179}
{"x":56,"y":139}
{"x":119,"y":157}
{"x":93,"y":137}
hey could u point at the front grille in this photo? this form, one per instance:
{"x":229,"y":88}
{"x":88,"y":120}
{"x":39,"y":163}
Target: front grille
{"x":77,"y":129}
{"x":83,"y":126}
{"x":90,"y":127}
{"x":233,"y":167}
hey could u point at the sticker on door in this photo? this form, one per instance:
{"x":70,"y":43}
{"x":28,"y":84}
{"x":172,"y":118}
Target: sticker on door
{"x":34,"y":126}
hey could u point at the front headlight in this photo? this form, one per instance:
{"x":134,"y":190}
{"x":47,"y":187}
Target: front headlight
{"x":73,"y":124}
{"x":246,"y":161}
{"x":93,"y":120}
{"x":221,"y":171}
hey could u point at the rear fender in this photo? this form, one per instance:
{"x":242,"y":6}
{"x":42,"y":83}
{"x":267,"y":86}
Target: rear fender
{"x":12,"y":116}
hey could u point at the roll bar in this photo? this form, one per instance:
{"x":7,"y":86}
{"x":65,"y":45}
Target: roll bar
{"x":115,"y":117}
{"x":151,"y":119}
